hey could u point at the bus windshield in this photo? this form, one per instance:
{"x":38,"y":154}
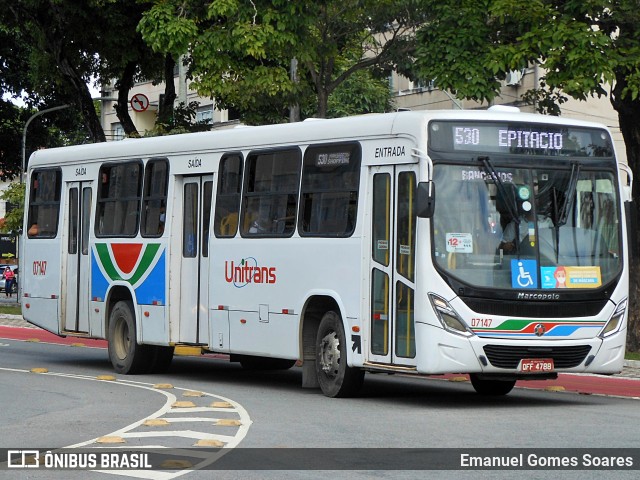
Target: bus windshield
{"x":515,"y":228}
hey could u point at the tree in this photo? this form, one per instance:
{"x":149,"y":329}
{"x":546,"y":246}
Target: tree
{"x":360,"y":93}
{"x":55,"y":129}
{"x":10,"y":128}
{"x":240,"y":53}
{"x":13,"y":194}
{"x":60,"y":65}
{"x":581,"y":45}
{"x":62,"y":46}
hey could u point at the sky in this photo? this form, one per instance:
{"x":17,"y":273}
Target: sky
{"x":95,"y":92}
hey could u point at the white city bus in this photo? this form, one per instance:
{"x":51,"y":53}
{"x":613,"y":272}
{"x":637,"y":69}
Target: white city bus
{"x":491,"y":243}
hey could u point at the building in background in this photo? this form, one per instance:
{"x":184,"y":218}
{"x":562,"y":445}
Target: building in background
{"x":407,"y":95}
{"x":429,"y":97}
{"x":144,"y":115}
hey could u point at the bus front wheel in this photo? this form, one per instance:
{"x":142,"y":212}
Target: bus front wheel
{"x":127,"y":357}
{"x":484,"y":386}
{"x":335,"y":377}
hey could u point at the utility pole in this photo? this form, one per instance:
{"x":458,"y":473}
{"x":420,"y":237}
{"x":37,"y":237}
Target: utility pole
{"x":24,"y":136}
{"x":294,"y":110}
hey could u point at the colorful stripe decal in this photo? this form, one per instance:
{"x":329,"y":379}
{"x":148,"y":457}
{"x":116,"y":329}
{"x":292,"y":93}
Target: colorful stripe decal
{"x":142,"y":266}
{"x":527,"y":328}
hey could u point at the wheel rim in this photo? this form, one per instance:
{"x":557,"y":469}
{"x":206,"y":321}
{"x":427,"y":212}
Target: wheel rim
{"x":330,"y":354}
{"x":121,"y":341}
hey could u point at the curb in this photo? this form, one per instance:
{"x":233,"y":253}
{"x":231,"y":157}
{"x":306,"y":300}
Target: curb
{"x":17,"y":321}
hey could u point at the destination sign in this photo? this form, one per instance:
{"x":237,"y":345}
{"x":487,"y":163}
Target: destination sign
{"x":519,"y":139}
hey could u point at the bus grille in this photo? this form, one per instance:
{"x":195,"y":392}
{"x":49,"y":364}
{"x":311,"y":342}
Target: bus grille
{"x":535,"y":309}
{"x":507,"y":356}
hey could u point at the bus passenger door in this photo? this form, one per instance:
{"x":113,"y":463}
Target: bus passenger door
{"x":392,"y":266}
{"x":194,"y":272}
{"x":76,"y":288}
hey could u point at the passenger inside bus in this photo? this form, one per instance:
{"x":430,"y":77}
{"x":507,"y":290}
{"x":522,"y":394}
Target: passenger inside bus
{"x":161,"y":220}
{"x":512,"y":229}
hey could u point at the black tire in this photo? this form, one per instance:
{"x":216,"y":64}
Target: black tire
{"x":127,"y":357}
{"x":335,"y":377}
{"x":491,"y":387}
{"x":162,"y":358}
{"x":250,"y":362}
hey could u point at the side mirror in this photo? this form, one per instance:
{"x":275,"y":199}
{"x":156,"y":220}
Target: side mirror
{"x":425,"y":199}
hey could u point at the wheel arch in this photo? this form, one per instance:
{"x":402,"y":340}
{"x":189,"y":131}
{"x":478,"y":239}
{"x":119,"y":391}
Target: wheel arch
{"x":316,"y":305}
{"x":116,"y":294}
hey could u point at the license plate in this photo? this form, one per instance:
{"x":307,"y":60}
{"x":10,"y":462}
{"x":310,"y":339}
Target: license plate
{"x":536,"y":365}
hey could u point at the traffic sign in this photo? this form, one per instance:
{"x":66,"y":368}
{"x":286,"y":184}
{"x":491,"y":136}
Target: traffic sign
{"x":139,"y":102}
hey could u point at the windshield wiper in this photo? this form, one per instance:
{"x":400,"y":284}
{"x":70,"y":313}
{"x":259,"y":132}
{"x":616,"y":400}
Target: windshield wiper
{"x":562,"y":215}
{"x":569,"y":196}
{"x":510,"y":202}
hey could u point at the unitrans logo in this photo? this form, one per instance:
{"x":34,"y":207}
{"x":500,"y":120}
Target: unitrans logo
{"x":248,"y":271}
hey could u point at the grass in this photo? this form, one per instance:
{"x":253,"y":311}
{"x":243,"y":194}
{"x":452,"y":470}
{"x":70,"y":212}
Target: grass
{"x":632,"y":355}
{"x":10,"y":309}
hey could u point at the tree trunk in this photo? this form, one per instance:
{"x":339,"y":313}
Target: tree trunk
{"x":124,"y":85}
{"x":323,"y":103}
{"x":165,"y":109}
{"x":629,"y":117}
{"x":75,"y":83}
{"x":83,"y":100}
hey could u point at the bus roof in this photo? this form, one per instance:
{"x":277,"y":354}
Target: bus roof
{"x":407,"y":123}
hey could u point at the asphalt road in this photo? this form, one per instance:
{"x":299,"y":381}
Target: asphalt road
{"x":69,"y":406}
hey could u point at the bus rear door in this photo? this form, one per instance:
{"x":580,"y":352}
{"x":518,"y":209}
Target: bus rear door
{"x":76,"y":294}
{"x":194,"y":271}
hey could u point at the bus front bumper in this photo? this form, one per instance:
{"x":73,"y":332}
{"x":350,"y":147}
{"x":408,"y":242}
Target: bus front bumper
{"x":444,"y":352}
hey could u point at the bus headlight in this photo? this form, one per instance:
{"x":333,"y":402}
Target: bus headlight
{"x":448,"y":317}
{"x":614,"y":323}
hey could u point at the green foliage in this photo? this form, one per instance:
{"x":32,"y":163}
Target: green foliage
{"x":167,"y":29}
{"x":457,"y":48}
{"x":580,"y":45}
{"x":360,"y":93}
{"x":13,"y":194}
{"x":10,"y":127}
{"x":10,"y":310}
{"x":240,"y":52}
{"x":182,"y":121}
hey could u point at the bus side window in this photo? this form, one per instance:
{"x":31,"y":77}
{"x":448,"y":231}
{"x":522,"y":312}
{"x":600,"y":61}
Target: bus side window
{"x":272,"y":182}
{"x":330,"y":182}
{"x":44,"y":203}
{"x":118,"y":207}
{"x":154,"y":199}
{"x":228,"y":196}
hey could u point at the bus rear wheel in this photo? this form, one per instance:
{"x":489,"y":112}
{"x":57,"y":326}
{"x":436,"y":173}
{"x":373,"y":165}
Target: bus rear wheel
{"x":127,"y":357}
{"x":335,"y":377}
{"x":485,"y":386}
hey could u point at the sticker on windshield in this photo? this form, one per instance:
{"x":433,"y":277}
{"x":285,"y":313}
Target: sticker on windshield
{"x":571,"y":277}
{"x":524,"y":274}
{"x":459,"y":242}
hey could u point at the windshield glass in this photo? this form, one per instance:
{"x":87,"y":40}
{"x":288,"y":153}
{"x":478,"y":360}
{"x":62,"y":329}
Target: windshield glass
{"x":515,"y":228}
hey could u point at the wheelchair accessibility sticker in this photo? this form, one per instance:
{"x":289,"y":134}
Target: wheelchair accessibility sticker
{"x":524,"y":274}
